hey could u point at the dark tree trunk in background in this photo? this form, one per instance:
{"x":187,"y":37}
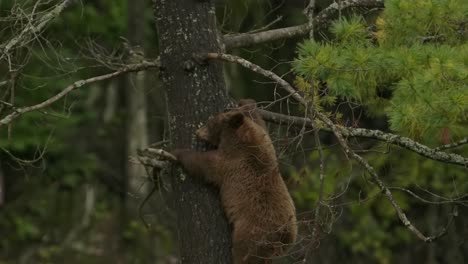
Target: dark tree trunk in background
{"x":194,"y":92}
{"x":135,"y":94}
{"x":2,"y":186}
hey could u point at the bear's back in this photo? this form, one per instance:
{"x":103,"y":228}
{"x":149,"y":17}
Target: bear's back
{"x":254,"y":195}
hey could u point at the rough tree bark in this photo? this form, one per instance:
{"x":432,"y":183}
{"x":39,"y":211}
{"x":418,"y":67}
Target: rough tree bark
{"x":194,"y":91}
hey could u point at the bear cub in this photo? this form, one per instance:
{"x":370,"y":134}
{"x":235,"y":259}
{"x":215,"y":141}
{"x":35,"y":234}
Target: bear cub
{"x":244,"y":167}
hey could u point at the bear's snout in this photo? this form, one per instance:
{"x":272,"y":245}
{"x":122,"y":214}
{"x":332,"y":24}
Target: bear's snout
{"x":202,"y":133}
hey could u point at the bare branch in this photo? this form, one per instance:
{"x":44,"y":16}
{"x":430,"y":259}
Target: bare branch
{"x":147,"y":161}
{"x":338,"y":134}
{"x":321,"y":21}
{"x":404,"y":142}
{"x":160,"y":153}
{"x":401,"y":214}
{"x":453,"y":145}
{"x":33,"y":28}
{"x":309,"y":12}
{"x":247,"y":64}
{"x":375,"y":177}
{"x":248,"y":39}
{"x":459,"y":200}
{"x":126,"y":69}
{"x":408,"y":144}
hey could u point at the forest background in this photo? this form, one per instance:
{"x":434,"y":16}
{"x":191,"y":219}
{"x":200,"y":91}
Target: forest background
{"x":389,"y":76}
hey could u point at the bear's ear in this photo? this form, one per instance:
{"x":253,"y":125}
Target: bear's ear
{"x":247,"y":104}
{"x":236,"y":120}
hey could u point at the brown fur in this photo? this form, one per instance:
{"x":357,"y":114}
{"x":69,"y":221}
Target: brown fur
{"x":245,"y":168}
{"x":248,"y":106}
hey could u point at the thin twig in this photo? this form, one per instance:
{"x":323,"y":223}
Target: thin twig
{"x":13,"y":79}
{"x":33,"y":29}
{"x":309,"y":12}
{"x":253,"y":67}
{"x":458,"y":200}
{"x":278,"y":19}
{"x":375,"y":177}
{"x":322,"y":183}
{"x":452,"y":145}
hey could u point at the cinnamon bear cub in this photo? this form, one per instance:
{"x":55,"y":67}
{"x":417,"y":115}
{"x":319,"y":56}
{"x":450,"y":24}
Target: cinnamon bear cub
{"x":245,"y":169}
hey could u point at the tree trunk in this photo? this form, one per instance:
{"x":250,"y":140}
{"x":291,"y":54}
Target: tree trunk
{"x":194,"y":92}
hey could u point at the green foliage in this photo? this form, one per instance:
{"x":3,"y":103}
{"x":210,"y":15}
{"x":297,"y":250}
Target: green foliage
{"x":43,"y":200}
{"x":25,"y":228}
{"x":105,"y":20}
{"x":360,"y":217}
{"x":405,"y":22}
{"x":350,"y":30}
{"x":373,"y":215}
{"x":410,"y":73}
{"x":426,"y":80}
{"x":395,"y":74}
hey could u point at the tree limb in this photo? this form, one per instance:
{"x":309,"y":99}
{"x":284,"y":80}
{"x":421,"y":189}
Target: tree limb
{"x":407,"y":143}
{"x":453,"y":145}
{"x":249,"y":39}
{"x":159,"y":153}
{"x":404,"y":142}
{"x":126,"y":69}
{"x":249,"y":65}
{"x":321,"y":21}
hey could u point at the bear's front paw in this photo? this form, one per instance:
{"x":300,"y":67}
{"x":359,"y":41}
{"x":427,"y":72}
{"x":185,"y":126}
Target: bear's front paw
{"x":179,"y":153}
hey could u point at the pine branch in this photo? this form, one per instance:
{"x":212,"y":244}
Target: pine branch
{"x":17,"y":112}
{"x":321,"y":21}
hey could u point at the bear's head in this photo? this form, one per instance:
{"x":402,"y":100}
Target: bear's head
{"x":241,"y":124}
{"x":219,"y":125}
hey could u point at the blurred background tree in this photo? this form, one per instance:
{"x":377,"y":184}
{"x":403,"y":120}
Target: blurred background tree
{"x":69,"y":194}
